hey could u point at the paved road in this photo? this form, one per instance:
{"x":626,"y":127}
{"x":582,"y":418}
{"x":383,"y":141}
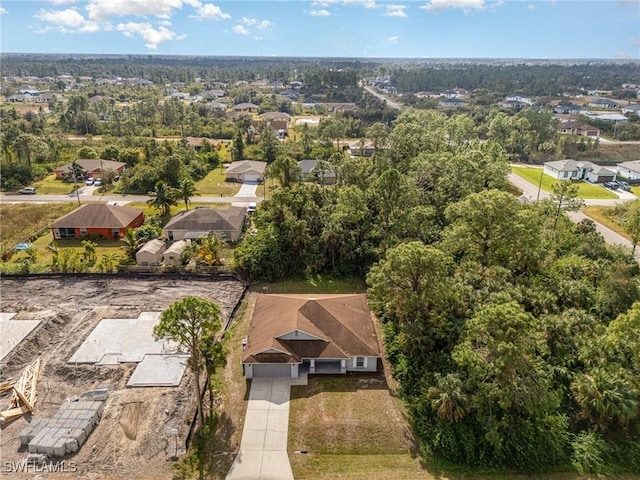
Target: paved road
{"x":611,"y":237}
{"x":389,"y":102}
{"x":119,"y":199}
{"x":263,"y":449}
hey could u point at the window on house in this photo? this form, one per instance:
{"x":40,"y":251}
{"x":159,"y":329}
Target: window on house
{"x":170,"y":236}
{"x":359,"y":362}
{"x":566,"y":174}
{"x":83,"y":232}
{"x":116,"y":233}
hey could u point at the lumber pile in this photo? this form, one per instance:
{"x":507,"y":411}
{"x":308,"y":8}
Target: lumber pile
{"x":24,"y":394}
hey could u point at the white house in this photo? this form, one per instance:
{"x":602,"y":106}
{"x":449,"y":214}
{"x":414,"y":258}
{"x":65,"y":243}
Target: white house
{"x":246,"y":171}
{"x":519,"y":98}
{"x":630,"y":170}
{"x":572,"y":170}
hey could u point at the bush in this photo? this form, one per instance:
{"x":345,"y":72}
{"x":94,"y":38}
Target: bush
{"x":589,"y":453}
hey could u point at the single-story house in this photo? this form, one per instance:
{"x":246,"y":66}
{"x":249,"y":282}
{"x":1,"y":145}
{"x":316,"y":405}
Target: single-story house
{"x":107,"y":221}
{"x":226,"y":222}
{"x":451,"y":102}
{"x":360,"y":149}
{"x":246,"y":171}
{"x":572,"y":170}
{"x":271,"y":116}
{"x":568,"y":109}
{"x":326,"y":174}
{"x":633,"y":108}
{"x":575,"y":128}
{"x":629,"y":170}
{"x":290,"y":334}
{"x":246,"y":107}
{"x":173,"y":254}
{"x":607,"y":117}
{"x":151,"y":253}
{"x":603,"y":103}
{"x":91,"y":167}
{"x":519,"y":98}
{"x":514,"y":104}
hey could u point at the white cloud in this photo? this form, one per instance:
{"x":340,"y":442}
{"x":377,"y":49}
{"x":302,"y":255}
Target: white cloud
{"x":248,"y":21}
{"x":439,"y":5}
{"x":240,"y":29}
{"x":532,"y":7}
{"x":3,"y":11}
{"x":101,"y":10}
{"x":209,"y":11}
{"x":328,"y":3}
{"x":264,"y":24}
{"x":319,"y":13}
{"x":152,"y":36}
{"x":61,"y":2}
{"x":393,"y":39}
{"x":394,"y":10}
{"x":66,"y":21}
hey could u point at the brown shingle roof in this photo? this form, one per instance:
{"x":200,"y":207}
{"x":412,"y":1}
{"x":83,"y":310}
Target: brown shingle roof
{"x":342,"y":324}
{"x":245,"y":166}
{"x":98,"y":215}
{"x":91,"y":164}
{"x":225,"y":219}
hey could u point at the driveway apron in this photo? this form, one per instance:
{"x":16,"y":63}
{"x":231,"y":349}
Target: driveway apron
{"x":248,"y":189}
{"x":263,"y":449}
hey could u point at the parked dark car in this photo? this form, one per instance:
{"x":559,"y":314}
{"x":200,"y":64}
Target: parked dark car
{"x":624,"y":186}
{"x":611,"y":185}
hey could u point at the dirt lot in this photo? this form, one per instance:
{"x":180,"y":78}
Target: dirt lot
{"x":132,"y":439}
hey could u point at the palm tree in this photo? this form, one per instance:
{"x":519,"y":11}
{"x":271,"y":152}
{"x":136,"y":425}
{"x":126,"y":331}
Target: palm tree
{"x":131,"y":243}
{"x":605,"y":398}
{"x":162,"y":198}
{"x":448,"y":399}
{"x":186,"y":190}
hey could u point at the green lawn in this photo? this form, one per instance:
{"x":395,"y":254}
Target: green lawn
{"x":50,"y":186}
{"x":313,"y":284}
{"x":214,"y":184}
{"x":20,"y":221}
{"x":44,"y":254}
{"x":585,"y":189}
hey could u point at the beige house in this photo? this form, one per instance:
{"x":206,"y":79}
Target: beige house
{"x":246,"y":171}
{"x":226,"y":222}
{"x":150,"y":253}
{"x":173,"y":254}
{"x":323,"y":334}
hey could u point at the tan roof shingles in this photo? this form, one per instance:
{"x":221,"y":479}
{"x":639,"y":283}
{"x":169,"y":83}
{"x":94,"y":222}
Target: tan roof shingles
{"x":343,"y":324}
{"x":225,"y":219}
{"x":98,"y":215}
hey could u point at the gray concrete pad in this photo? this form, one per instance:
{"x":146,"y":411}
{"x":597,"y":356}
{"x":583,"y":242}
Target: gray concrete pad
{"x":13,"y":332}
{"x":122,"y":340}
{"x":159,"y":371}
{"x":263,"y":449}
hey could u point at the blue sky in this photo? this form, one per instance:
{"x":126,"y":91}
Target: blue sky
{"x":326,"y":28}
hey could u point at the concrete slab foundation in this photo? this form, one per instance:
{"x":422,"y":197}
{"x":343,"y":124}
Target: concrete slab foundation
{"x":13,"y":332}
{"x":159,"y":371}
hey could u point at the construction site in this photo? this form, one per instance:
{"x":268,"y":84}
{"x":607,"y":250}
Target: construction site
{"x":86,"y":391}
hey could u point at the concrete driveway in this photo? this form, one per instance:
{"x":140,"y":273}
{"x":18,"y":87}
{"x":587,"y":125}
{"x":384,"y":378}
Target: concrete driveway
{"x":248,"y":189}
{"x":263,"y":449}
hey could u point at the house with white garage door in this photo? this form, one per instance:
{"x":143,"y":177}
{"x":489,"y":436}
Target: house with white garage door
{"x":322,"y":334}
{"x":246,"y":171}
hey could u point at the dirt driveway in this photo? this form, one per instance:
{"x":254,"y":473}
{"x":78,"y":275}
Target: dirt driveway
{"x":133,"y":438}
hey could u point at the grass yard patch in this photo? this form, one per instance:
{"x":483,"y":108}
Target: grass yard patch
{"x":585,"y":189}
{"x":50,"y":186}
{"x":20,"y":221}
{"x":214,"y":184}
{"x":352,"y":428}
{"x":611,"y":217}
{"x":313,"y":284}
